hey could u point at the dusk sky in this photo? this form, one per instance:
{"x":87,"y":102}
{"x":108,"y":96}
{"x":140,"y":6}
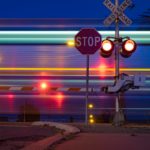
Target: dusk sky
{"x":63,"y":9}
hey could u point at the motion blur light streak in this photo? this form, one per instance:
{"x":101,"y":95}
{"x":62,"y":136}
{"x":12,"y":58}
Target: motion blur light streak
{"x":1,"y":58}
{"x":11,"y":102}
{"x":103,"y":70}
{"x":70,"y":32}
{"x":60,"y":96}
{"x":43,"y":73}
{"x":102,"y":67}
{"x":70,"y":43}
{"x":43,"y":85}
{"x":55,"y":37}
{"x":10,"y":96}
{"x":71,"y":69}
{"x":59,"y":99}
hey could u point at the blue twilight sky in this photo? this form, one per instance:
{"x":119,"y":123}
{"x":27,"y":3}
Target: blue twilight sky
{"x":63,"y":8}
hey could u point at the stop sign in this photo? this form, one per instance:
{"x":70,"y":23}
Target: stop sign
{"x":88,"y":41}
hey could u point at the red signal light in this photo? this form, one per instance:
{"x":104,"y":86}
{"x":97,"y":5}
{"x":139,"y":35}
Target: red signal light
{"x":59,"y":98}
{"x":10,"y":96}
{"x":107,"y":48}
{"x":43,"y":86}
{"x":128,"y":47}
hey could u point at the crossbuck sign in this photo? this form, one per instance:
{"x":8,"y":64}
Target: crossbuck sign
{"x":117,"y":12}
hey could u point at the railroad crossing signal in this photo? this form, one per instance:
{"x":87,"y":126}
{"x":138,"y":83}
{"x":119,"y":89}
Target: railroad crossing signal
{"x":117,"y":12}
{"x":127,"y":47}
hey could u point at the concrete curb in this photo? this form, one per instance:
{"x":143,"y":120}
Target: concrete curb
{"x":47,"y":142}
{"x":67,"y":128}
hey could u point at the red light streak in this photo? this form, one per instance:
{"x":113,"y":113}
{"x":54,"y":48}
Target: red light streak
{"x":59,"y":98}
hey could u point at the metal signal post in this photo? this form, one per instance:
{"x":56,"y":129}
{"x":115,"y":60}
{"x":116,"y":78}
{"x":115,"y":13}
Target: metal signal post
{"x":117,"y":44}
{"x":117,"y":116}
{"x":87,"y":88}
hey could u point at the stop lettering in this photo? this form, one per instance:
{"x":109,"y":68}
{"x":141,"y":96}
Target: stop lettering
{"x":90,"y":41}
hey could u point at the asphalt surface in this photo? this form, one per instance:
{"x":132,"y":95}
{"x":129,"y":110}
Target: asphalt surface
{"x":15,"y":137}
{"x":108,"y":137}
{"x":103,"y":141}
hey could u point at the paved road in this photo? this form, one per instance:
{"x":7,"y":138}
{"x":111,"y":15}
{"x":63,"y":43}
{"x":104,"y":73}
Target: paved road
{"x":9,"y":132}
{"x":15,"y":137}
{"x":106,"y":141}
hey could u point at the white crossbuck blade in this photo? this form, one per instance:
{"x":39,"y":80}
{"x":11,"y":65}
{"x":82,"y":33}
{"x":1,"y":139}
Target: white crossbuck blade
{"x":126,"y":82}
{"x":117,"y":12}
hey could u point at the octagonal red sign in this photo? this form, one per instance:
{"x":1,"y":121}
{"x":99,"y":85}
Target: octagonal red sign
{"x":88,"y":41}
